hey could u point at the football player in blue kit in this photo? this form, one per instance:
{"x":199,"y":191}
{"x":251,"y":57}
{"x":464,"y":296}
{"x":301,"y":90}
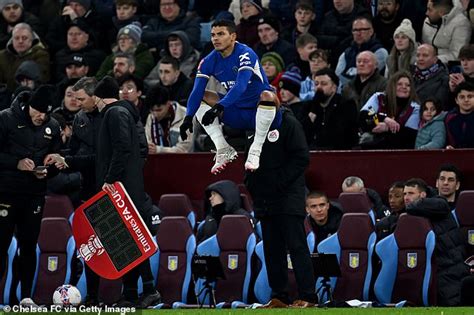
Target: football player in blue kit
{"x":250,"y":102}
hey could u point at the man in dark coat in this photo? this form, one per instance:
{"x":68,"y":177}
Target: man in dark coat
{"x":27,"y":136}
{"x":278,"y":191}
{"x":449,"y":249}
{"x":222,"y":198}
{"x":119,"y":158}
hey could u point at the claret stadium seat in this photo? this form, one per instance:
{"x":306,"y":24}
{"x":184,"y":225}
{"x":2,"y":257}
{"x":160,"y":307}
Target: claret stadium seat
{"x":178,"y":205}
{"x":171,"y":265}
{"x":357,"y":202}
{"x":408,"y":268}
{"x":464,"y":215}
{"x":58,"y":206}
{"x":353,"y":244}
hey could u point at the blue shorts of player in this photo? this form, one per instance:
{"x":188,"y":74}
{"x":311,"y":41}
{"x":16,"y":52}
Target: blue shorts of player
{"x":243,"y":117}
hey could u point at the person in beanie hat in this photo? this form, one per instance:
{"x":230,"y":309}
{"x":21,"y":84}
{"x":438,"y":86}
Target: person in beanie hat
{"x":273,"y":65}
{"x":403,"y":53}
{"x":27,"y":137}
{"x":133,"y":31}
{"x":4,"y":3}
{"x":119,"y":158}
{"x":291,"y":81}
{"x":86,"y":4}
{"x":251,"y":12}
{"x":42,"y":100}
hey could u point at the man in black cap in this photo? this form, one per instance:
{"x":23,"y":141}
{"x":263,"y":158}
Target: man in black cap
{"x":118,"y":158}
{"x":269,"y":33}
{"x":27,"y":136}
{"x":76,"y":67}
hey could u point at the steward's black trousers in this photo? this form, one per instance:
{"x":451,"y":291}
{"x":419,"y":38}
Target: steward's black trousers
{"x":23,"y":212}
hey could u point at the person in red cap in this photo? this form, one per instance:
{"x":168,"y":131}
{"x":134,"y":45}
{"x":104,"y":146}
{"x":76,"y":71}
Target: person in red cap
{"x":27,"y":136}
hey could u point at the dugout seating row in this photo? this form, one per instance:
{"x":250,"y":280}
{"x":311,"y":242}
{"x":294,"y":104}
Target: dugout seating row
{"x":410,"y":256}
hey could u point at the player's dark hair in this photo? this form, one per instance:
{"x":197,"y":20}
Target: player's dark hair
{"x":230,"y":25}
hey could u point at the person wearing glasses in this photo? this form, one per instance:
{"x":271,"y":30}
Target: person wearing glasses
{"x":171,"y":18}
{"x":363,"y":38}
{"x":131,"y":89}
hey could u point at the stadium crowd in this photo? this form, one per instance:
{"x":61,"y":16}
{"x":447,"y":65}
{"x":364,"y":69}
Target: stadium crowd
{"x":356,"y":74}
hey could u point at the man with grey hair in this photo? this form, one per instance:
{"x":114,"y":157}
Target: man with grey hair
{"x":353,"y":184}
{"x":23,"y":45}
{"x":367,"y":80}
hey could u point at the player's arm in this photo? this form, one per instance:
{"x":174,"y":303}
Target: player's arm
{"x":241,"y":82}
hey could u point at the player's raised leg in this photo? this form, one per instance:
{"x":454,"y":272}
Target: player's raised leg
{"x":266,"y":112}
{"x":224,"y":152}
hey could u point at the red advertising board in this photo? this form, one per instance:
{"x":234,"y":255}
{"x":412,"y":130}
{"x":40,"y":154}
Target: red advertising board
{"x":110,"y":234}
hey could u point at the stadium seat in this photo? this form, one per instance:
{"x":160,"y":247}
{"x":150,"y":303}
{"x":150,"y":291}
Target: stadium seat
{"x":464,"y":215}
{"x":408,"y":267}
{"x":58,"y":206}
{"x":310,"y":236}
{"x":54,"y":253}
{"x":354,"y":244}
{"x":7,"y":277}
{"x":178,"y":205}
{"x":357,"y":202}
{"x":246,"y":204}
{"x":234,"y":243}
{"x":171,"y":265}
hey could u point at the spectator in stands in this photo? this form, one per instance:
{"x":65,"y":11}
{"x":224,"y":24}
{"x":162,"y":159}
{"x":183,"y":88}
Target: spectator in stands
{"x":430,"y":75}
{"x":221,"y":198}
{"x":24,"y":45}
{"x":78,"y":41}
{"x":403,"y":53}
{"x":432,"y":132}
{"x":391,"y":118}
{"x":174,"y":80}
{"x":278,"y":192}
{"x":356,"y":184}
{"x":387,"y":21}
{"x":125,"y":14}
{"x":323,"y":216}
{"x":178,"y":47}
{"x":131,"y":89}
{"x":305,"y":22}
{"x":447,"y":28}
{"x":367,"y":81}
{"x":76,"y":68}
{"x":171,"y":18}
{"x":330,"y":122}
{"x":290,"y":84}
{"x":305,"y":45}
{"x":466,"y":73}
{"x":12,"y":14}
{"x":460,"y":121}
{"x":318,"y":59}
{"x":124,"y":63}
{"x":270,"y":41}
{"x":363,"y":40}
{"x":27,"y":136}
{"x":449,"y":245}
{"x":163,"y":122}
{"x":128,"y":41}
{"x":69,"y":105}
{"x":273,"y":65}
{"x":448,"y":183}
{"x":247,"y":28}
{"x":335,"y":33}
{"x":74,"y":12}
{"x":120,"y":119}
{"x":28,"y":75}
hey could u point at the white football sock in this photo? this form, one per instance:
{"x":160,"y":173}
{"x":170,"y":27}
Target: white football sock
{"x":263,"y":121}
{"x":214,"y":130}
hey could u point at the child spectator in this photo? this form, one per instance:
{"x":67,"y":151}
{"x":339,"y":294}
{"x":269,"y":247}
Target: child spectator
{"x":431,"y":132}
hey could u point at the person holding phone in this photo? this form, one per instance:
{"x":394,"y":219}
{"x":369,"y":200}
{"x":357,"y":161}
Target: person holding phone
{"x":27,"y":136}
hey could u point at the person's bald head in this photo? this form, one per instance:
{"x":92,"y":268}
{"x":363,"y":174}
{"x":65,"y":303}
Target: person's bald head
{"x":426,"y":56}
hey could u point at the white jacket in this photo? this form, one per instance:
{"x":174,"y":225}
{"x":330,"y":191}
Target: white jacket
{"x":452,"y":35}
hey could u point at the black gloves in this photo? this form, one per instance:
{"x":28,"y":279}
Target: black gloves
{"x":186,"y":125}
{"x":211,"y":114}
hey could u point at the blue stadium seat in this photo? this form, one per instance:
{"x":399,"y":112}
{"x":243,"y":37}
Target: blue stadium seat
{"x":7,"y":277}
{"x":408,"y":267}
{"x":354,"y":244}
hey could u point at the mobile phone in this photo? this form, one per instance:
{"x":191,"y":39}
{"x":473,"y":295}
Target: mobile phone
{"x":40,"y":168}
